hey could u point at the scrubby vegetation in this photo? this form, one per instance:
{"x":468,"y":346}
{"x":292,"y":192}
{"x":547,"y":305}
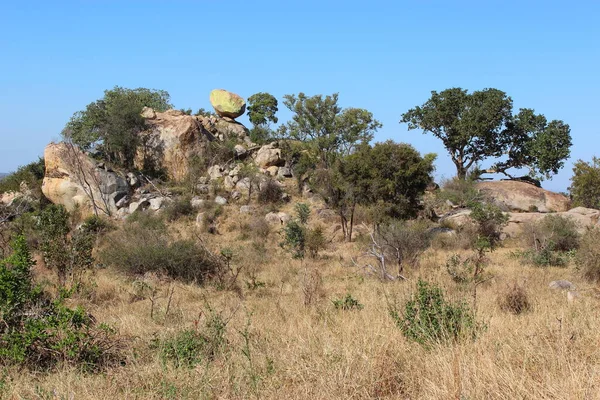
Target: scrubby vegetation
{"x":273,"y":290}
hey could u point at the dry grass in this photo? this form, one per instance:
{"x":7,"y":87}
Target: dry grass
{"x":318,"y":352}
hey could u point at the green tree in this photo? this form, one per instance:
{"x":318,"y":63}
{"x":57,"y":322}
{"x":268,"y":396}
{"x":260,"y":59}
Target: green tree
{"x":534,"y":143}
{"x":262,"y":108}
{"x":389,"y":175}
{"x":327,"y":129}
{"x":585,"y":183}
{"x":111,"y":124}
{"x":480,"y":125}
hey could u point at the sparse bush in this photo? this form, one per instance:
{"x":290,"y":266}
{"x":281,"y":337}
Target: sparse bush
{"x":302,"y":212}
{"x":69,"y":255}
{"x":588,"y":255}
{"x":270,"y":192}
{"x":315,"y":241}
{"x":39,"y":332}
{"x":459,"y":269}
{"x":429,"y":318}
{"x":294,"y":239}
{"x":97,"y":225}
{"x":515,"y":300}
{"x":489,"y":221}
{"x":32,"y":174}
{"x":558,"y":230}
{"x":550,"y":242}
{"x":347,"y":303}
{"x":146,"y":245}
{"x":178,"y":208}
{"x":404,"y":241}
{"x":460,"y":192}
{"x":188,"y":348}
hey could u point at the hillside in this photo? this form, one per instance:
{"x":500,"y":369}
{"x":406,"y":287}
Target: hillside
{"x":203,"y":259}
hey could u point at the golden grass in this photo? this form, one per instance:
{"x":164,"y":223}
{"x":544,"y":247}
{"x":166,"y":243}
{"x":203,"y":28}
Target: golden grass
{"x":318,"y":352}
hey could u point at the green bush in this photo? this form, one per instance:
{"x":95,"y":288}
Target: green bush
{"x":314,"y":241}
{"x":588,"y":255}
{"x":70,"y":255}
{"x":347,"y":303}
{"x":550,"y":241}
{"x":294,"y":239}
{"x":191,"y":347}
{"x":428,"y":318}
{"x":39,"y":332}
{"x":489,"y":221}
{"x":302,"y":212}
{"x":146,"y":245}
{"x":32,"y":174}
{"x":460,"y":192}
{"x":585,"y":183}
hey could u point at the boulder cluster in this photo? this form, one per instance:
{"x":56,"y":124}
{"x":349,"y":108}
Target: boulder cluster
{"x":173,"y":139}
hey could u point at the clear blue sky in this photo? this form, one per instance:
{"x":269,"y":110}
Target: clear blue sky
{"x":385,"y":56}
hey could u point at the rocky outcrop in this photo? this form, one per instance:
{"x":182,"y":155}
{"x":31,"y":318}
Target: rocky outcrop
{"x":74,"y":180}
{"x":175,"y":138}
{"x":227,"y":104}
{"x":583,"y":218}
{"x":269,"y":155}
{"x":524,"y":197}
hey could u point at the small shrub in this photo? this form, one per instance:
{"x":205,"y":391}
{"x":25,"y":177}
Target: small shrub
{"x":97,"y":225}
{"x":428,"y":318}
{"x":585,"y":183}
{"x":178,"y":208}
{"x":146,"y":245}
{"x":39,"y":332}
{"x":550,"y":242}
{"x":460,"y":270}
{"x":489,"y":221}
{"x":270,"y":192}
{"x":314,"y":241}
{"x":347,"y":303}
{"x":460,"y":192}
{"x":69,"y":255}
{"x":32,"y":174}
{"x":188,"y":348}
{"x":515,"y":300}
{"x":588,"y":255}
{"x":294,"y":239}
{"x":404,"y":241}
{"x":302,"y":212}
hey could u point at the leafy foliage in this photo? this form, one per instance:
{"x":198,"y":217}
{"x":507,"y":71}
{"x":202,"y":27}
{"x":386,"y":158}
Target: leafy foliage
{"x":347,"y":303}
{"x":32,"y":174}
{"x":294,"y":238}
{"x":40,"y":333}
{"x":480,"y":125}
{"x":429,"y":318}
{"x":328,"y":130}
{"x":111,"y":125}
{"x":188,"y":348}
{"x":585,"y":183}
{"x":145,"y":245}
{"x":262,"y":108}
{"x":68,"y":255}
{"x":391,"y":174}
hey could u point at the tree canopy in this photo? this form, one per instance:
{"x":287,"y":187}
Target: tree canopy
{"x":262,"y":108}
{"x":111,"y":124}
{"x":329,"y":130}
{"x":585,"y":183}
{"x":480,"y":125}
{"x":390,"y":176}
